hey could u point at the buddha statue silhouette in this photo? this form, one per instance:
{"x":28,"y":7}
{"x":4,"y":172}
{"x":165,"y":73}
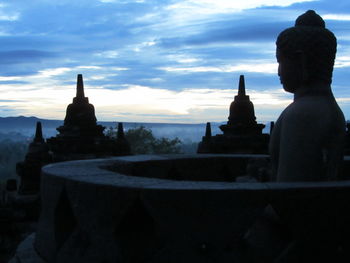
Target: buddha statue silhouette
{"x":307,"y":140}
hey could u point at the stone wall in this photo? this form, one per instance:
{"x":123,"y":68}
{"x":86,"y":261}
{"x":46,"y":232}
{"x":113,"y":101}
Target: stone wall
{"x":105,"y":211}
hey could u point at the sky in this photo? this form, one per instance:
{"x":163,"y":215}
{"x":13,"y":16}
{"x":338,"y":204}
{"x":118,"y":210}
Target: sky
{"x":171,"y":61}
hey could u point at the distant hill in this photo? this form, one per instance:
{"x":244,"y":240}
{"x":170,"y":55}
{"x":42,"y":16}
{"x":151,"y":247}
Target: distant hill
{"x":22,"y":122}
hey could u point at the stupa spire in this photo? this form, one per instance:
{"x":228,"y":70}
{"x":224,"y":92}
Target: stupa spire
{"x":80,"y":86}
{"x":38,"y":133}
{"x":29,"y":169}
{"x":241,"y":86}
{"x":208,"y":130}
{"x":242,"y":134}
{"x":120,"y":132}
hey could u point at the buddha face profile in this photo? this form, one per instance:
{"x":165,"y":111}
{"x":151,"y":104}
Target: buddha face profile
{"x":306,"y":53}
{"x":289,"y":73}
{"x":307,"y":141}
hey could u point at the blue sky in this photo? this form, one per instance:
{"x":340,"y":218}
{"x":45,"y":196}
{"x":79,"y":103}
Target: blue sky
{"x":157,"y":60}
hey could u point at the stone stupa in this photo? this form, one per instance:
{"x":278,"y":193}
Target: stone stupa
{"x":30,"y":169}
{"x":241,"y":134}
{"x":80,"y":137}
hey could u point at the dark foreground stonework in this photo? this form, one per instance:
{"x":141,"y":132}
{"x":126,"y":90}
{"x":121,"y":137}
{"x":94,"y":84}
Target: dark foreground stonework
{"x":106,"y":211}
{"x":26,"y":253}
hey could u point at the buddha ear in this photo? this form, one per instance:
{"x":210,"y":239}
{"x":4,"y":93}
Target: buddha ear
{"x":302,"y":61}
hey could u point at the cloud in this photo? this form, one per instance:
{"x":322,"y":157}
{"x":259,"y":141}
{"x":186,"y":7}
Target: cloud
{"x":4,"y":17}
{"x":254,"y":66}
{"x":323,"y":7}
{"x":338,"y":17}
{"x":160,"y":50}
{"x":6,"y":14}
{"x":183,"y":9}
{"x":120,"y":1}
{"x":187,"y":105}
{"x":51,"y":102}
{"x":20,"y":56}
{"x":10,"y":100}
{"x":229,"y":31}
{"x":342,"y":62}
{"x":53,"y":72}
{"x":12,"y":82}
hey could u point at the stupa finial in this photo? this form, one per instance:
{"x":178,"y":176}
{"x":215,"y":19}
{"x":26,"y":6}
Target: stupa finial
{"x":38,"y":133}
{"x":120,"y":132}
{"x":80,"y":86}
{"x":310,"y":18}
{"x":241,"y":87}
{"x":208,"y":130}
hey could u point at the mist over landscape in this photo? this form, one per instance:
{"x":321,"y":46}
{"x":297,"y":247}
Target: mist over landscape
{"x":23,"y":128}
{"x":17,"y":132}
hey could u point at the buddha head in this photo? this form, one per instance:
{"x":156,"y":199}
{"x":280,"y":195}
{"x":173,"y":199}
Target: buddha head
{"x":306,"y":53}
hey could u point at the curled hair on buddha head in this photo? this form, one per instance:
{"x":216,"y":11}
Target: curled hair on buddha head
{"x":318,"y":45}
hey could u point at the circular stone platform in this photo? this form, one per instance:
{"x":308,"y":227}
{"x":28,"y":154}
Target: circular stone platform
{"x":172,"y":208}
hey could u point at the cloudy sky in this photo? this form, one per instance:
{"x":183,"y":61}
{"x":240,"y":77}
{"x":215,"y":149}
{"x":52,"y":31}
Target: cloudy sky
{"x":154,"y":60}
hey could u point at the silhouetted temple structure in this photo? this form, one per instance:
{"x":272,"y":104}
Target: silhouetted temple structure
{"x":29,"y":170}
{"x":241,"y":134}
{"x":194,"y":208}
{"x":80,"y":137}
